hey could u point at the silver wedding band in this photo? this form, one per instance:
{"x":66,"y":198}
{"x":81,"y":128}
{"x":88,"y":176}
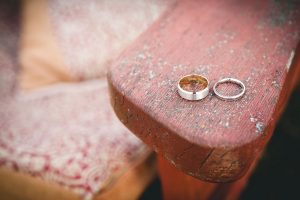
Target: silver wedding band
{"x":230,"y":80}
{"x":193,"y":87}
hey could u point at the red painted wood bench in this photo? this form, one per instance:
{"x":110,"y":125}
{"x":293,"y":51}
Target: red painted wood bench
{"x":211,"y":140}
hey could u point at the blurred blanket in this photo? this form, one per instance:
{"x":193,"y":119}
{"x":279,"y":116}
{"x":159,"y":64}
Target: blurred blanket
{"x":55,"y":118}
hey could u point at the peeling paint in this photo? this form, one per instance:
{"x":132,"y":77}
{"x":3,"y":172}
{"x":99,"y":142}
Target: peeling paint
{"x":141,"y":56}
{"x":253,"y":119}
{"x":151,"y":74}
{"x":275,"y":84}
{"x":259,"y":127}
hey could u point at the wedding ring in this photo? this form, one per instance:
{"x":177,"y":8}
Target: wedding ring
{"x":230,"y":80}
{"x":193,"y":87}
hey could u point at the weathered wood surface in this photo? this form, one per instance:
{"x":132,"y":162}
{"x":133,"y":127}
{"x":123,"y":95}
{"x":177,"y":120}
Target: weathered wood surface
{"x":212,"y":140}
{"x":177,"y":185}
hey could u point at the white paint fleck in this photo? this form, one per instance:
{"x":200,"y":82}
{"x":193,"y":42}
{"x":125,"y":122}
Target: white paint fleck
{"x":227,"y":124}
{"x":141,"y":56}
{"x":259,"y":127}
{"x":290,"y":60}
{"x":275,"y":84}
{"x":151,"y":74}
{"x":253,"y":119}
{"x":170,"y":160}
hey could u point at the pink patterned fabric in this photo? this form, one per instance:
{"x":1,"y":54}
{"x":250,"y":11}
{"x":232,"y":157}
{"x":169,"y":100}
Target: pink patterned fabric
{"x":92,"y":33}
{"x":67,"y":134}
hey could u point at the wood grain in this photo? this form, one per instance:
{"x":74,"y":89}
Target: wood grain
{"x":212,"y":140}
{"x":177,"y":185}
